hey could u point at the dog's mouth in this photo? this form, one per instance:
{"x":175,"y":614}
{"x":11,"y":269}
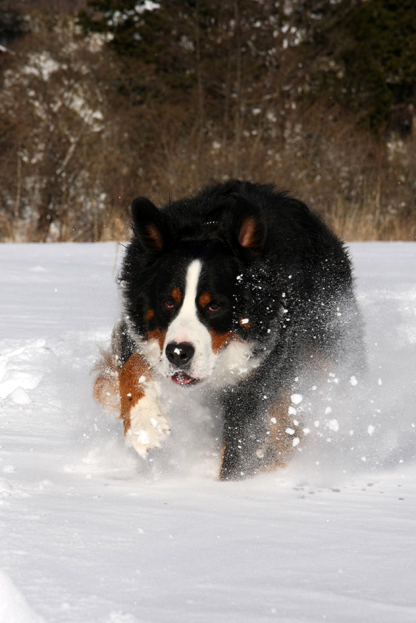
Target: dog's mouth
{"x":181,"y":378}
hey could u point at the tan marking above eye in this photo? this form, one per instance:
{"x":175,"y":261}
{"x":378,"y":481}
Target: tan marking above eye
{"x":149,"y":315}
{"x":176,"y":294}
{"x":204,"y":299}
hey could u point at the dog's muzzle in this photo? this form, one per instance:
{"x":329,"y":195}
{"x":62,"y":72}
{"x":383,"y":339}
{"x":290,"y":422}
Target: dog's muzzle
{"x":180,"y":356}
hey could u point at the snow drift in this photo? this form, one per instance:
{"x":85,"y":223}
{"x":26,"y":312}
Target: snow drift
{"x":90,"y":532}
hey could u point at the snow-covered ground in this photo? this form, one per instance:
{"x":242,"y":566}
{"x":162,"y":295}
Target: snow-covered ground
{"x":91,"y":534}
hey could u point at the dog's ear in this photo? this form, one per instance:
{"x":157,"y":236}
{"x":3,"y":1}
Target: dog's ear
{"x":249,"y":225}
{"x":148,"y":224}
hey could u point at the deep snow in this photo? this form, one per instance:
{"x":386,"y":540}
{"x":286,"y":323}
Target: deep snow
{"x":91,"y":534}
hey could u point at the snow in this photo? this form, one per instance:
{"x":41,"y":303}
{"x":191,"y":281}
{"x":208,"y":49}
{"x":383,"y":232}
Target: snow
{"x":41,"y":64}
{"x":90,"y":533}
{"x":13,"y":607}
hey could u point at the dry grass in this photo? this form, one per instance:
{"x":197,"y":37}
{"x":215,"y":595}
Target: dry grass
{"x":363,"y":189}
{"x":65,"y":176}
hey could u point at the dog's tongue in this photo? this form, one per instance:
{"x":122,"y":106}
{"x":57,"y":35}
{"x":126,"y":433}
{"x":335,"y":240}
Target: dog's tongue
{"x":180,"y":378}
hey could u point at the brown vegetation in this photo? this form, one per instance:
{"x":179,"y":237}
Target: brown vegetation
{"x":83,"y":131}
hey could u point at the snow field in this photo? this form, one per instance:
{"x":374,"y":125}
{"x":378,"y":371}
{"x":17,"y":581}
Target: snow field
{"x":91,"y":533}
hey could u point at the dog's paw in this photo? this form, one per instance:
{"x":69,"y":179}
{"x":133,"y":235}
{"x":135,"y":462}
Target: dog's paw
{"x":149,"y":426}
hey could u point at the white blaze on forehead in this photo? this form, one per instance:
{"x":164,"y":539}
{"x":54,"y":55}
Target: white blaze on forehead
{"x":191,"y":289}
{"x":187,"y":327}
{"x":186,"y":322}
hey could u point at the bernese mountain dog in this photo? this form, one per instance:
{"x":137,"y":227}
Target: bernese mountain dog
{"x":233,"y":293}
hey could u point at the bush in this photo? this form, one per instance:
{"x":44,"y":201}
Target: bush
{"x":187,"y":94}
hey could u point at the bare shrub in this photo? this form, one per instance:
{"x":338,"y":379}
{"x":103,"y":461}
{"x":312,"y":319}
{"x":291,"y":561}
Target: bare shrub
{"x":54,"y":170}
{"x":83,"y":132}
{"x":364,"y":190}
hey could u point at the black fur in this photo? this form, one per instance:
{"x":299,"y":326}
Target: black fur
{"x":291,"y":277}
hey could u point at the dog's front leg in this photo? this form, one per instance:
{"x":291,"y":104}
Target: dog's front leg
{"x":145,"y":424}
{"x":257,"y":437}
{"x":244,"y":432}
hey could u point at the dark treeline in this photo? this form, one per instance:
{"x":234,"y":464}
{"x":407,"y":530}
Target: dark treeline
{"x":103,"y":100}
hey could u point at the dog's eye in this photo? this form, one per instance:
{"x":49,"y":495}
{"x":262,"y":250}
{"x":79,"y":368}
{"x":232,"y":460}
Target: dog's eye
{"x":169,"y":305}
{"x":213,"y":307}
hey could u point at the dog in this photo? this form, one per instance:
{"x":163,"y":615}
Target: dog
{"x":234,"y":293}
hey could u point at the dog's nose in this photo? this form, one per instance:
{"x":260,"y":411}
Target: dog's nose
{"x":180,"y":354}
